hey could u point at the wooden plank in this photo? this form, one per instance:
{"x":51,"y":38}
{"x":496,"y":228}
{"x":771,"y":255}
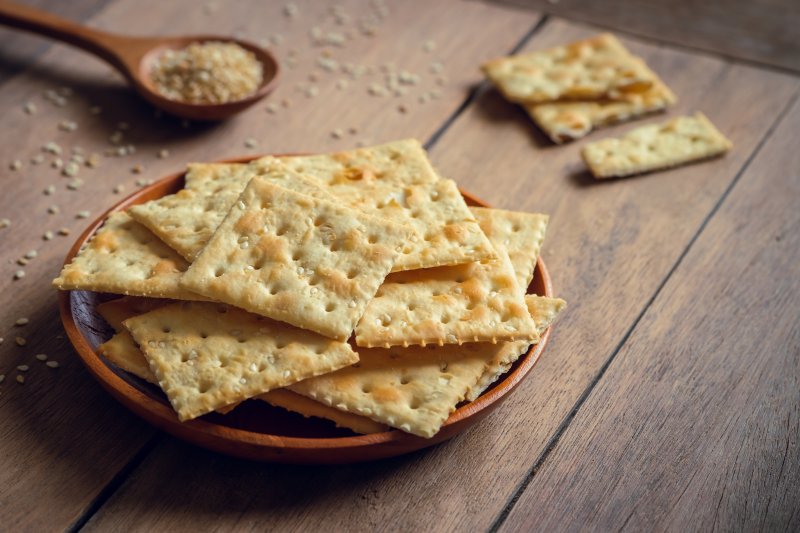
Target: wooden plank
{"x":21,"y":49}
{"x":63,"y":438}
{"x":696,"y":423}
{"x":609,"y":247}
{"x":763,"y":31}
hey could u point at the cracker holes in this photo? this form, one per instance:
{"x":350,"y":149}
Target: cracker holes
{"x":205,"y":386}
{"x":297,"y":255}
{"x":405,"y":380}
{"x":203,"y":335}
{"x":352,"y":273}
{"x":219,"y":271}
{"x":280,"y":344}
{"x":166,"y":329}
{"x":414,"y":404}
{"x":282,"y":229}
{"x":372,"y":239}
{"x":330,"y":307}
{"x":366,"y":389}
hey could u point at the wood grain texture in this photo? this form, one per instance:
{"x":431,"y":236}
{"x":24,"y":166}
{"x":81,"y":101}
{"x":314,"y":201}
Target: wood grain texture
{"x":696,"y":423}
{"x":611,"y":245}
{"x":63,"y":438}
{"x":763,"y":31}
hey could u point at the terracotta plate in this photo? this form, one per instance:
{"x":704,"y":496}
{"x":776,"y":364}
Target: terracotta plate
{"x":256,"y":430}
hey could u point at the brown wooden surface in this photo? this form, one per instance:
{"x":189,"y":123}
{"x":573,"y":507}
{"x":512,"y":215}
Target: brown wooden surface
{"x":762,"y":31}
{"x":718,"y":408}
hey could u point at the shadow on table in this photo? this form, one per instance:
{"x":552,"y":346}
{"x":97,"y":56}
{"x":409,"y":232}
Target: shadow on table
{"x":493,"y":108}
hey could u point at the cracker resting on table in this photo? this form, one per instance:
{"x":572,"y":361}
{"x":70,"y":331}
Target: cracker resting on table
{"x":187,"y":219}
{"x":592,"y":68}
{"x":567,"y":121}
{"x":676,"y":142}
{"x":207,"y":356}
{"x":297,"y":403}
{"x":302,"y":260}
{"x":124,"y":257}
{"x":479,"y":301}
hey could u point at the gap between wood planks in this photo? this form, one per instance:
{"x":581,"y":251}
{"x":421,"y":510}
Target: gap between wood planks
{"x":553,"y":441}
{"x":124,"y":473}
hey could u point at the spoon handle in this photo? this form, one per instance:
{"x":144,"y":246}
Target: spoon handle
{"x":48,"y":25}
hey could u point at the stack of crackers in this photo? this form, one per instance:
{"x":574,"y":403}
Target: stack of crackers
{"x":355,"y":286}
{"x":571,"y":90}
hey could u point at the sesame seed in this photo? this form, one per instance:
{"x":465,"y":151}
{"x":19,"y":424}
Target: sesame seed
{"x":95,"y":110}
{"x":41,"y":356}
{"x":163,"y":154}
{"x":53,"y":209}
{"x":93,"y":161}
{"x":82,"y":214}
{"x":429,"y":46}
{"x":63,"y":231}
{"x":123,"y":126}
{"x":21,"y":341}
{"x":286,"y":102}
{"x":52,"y":148}
{"x":19,"y":274}
{"x":137,"y":169}
{"x":271,"y":108}
{"x":1,"y":340}
{"x":290,"y":10}
{"x":29,"y":108}
{"x":48,"y":235}
{"x":142,"y":182}
{"x":118,"y":188}
{"x":312,"y":91}
{"x":67,"y":125}
{"x":75,"y":184}
{"x":49,"y":190}
{"x":52,"y":364}
{"x":250,"y":142}
{"x":37,"y":159}
{"x":21,"y":321}
{"x":65,"y":91}
{"x":57,"y":163}
{"x":2,"y":378}
{"x":341,"y":84}
{"x":22,"y":261}
{"x":31,"y":254}
{"x":20,"y":379}
{"x":15,"y":165}
{"x":4,"y":223}
{"x":23,"y":368}
{"x":337,"y":133}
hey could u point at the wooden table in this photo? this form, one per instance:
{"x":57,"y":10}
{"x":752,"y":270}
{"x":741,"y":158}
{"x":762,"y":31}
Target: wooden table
{"x":669,"y":396}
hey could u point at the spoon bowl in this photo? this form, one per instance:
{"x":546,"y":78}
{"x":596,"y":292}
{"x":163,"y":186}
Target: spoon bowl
{"x":134,"y":58}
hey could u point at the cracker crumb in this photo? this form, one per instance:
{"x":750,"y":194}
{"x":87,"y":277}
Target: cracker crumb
{"x":22,"y":321}
{"x":23,"y":368}
{"x":49,"y":190}
{"x":64,"y":232}
{"x":82,"y":214}
{"x":52,"y":364}
{"x":19,"y":274}
{"x":163,"y":153}
{"x":20,"y":379}
{"x":41,"y":357}
{"x":15,"y":165}
{"x":48,"y":236}
{"x":21,"y":341}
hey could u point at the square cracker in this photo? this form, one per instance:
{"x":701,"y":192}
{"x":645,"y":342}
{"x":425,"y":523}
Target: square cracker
{"x":592,"y":68}
{"x":567,"y":121}
{"x":124,"y":257}
{"x":187,"y":219}
{"x":520,"y":233}
{"x":395,"y":181}
{"x":302,"y":260}
{"x":657,"y":146}
{"x":413,"y":389}
{"x":479,"y":301}
{"x":544,"y":311}
{"x":207,"y":356}
{"x":291,"y":401}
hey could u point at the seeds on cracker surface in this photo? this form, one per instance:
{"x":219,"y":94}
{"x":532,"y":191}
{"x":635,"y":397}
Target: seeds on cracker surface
{"x":57,"y":163}
{"x":341,"y":84}
{"x":52,"y":364}
{"x":93,"y":161}
{"x":15,"y":165}
{"x":19,"y":274}
{"x":82,"y":214}
{"x":20,"y":379}
{"x":41,"y":357}
{"x":312,"y":91}
{"x":22,"y":321}
{"x":22,"y":261}
{"x":212,"y":72}
{"x":52,"y":148}
{"x":21,"y":341}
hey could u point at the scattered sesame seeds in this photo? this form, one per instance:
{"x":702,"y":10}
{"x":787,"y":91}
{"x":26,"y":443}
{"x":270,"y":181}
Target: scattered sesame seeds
{"x":4,"y":223}
{"x":20,"y":379}
{"x":29,"y":108}
{"x":15,"y":165}
{"x":163,"y":153}
{"x":48,"y":236}
{"x":52,"y":364}
{"x":22,"y":321}
{"x":19,"y":274}
{"x":21,"y":341}
{"x":53,"y":209}
{"x":82,"y":214}
{"x":64,"y":232}
{"x":23,"y":368}
{"x":41,"y":357}
{"x":49,"y":190}
{"x":250,"y":142}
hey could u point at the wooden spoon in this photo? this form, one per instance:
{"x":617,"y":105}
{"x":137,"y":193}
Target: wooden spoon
{"x":134,"y":57}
